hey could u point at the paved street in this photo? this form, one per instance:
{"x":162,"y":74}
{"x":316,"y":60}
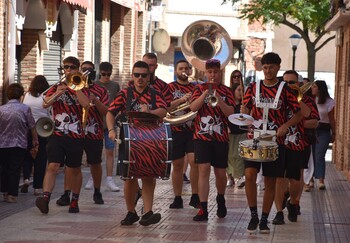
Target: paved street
{"x":325,"y":217}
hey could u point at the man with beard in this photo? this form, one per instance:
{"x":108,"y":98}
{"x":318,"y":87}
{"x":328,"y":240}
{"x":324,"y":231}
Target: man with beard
{"x":181,"y":91}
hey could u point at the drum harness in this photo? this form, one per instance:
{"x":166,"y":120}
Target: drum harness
{"x":266,"y":106}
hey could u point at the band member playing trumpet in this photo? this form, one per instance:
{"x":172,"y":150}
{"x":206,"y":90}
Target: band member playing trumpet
{"x":211,"y":137}
{"x":65,"y":146}
{"x":268,"y":101}
{"x":181,"y":90}
{"x":143,"y":102}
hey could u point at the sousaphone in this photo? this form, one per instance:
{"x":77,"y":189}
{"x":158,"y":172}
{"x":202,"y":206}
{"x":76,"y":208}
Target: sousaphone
{"x":203,"y":40}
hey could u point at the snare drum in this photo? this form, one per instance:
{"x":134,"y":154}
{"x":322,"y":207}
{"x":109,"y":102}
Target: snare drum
{"x":259,"y":151}
{"x":147,"y":150}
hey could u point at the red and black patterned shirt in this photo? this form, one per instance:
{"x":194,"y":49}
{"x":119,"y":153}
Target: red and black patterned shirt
{"x":276,"y":117}
{"x":211,"y":123}
{"x":67,"y":113}
{"x":310,"y":102}
{"x":94,"y":126}
{"x":161,"y":86}
{"x":119,"y":104}
{"x":177,"y":91}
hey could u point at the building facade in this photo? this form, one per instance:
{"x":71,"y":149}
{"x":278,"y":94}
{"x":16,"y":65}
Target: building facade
{"x":39,"y":34}
{"x":340,"y":23}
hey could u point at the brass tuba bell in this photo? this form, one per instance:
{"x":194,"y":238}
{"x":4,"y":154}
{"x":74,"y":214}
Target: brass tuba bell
{"x":203,"y":40}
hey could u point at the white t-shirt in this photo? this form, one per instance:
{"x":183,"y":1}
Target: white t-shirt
{"x":36,"y":105}
{"x":324,"y":109}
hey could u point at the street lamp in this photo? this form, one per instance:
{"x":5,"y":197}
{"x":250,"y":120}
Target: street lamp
{"x":294,"y":41}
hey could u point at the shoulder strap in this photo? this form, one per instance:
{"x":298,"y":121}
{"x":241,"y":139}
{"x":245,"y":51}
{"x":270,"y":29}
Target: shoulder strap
{"x":153,"y":97}
{"x":129,"y":97}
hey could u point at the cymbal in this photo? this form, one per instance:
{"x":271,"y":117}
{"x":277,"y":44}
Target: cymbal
{"x":240,"y":119}
{"x":141,"y":115}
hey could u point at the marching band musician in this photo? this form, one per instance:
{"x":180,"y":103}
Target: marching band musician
{"x":66,"y":144}
{"x":93,"y":142}
{"x":211,"y":137}
{"x":297,"y":156}
{"x":159,"y":85}
{"x":142,"y":102}
{"x":182,"y":134}
{"x":267,"y":101}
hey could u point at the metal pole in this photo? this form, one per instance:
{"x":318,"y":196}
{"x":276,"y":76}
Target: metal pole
{"x":294,"y":48}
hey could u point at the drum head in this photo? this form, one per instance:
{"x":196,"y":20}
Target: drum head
{"x":144,"y":116}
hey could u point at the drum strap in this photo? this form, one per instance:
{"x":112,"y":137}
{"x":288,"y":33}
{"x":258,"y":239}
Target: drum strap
{"x":130,"y":95}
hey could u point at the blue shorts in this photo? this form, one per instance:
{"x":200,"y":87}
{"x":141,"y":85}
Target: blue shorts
{"x":109,"y":144}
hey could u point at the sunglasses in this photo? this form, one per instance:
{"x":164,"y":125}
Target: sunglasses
{"x":104,"y":74}
{"x":291,"y":81}
{"x":143,"y":75}
{"x":70,"y":66}
{"x":236,"y":76}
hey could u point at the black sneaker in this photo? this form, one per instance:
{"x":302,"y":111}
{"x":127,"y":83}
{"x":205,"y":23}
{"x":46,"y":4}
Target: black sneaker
{"x":98,"y":198}
{"x":150,"y":218}
{"x":194,"y":202}
{"x":221,"y":211}
{"x":130,"y":219}
{"x":178,"y":203}
{"x":264,"y":229}
{"x":201,"y":215}
{"x":138,"y":196}
{"x":42,"y":205}
{"x":253,"y":225}
{"x":292,"y":212}
{"x":73,"y":207}
{"x":298,"y":210}
{"x":279,"y":218}
{"x":285,"y":198}
{"x":186,"y":180}
{"x":64,"y":200}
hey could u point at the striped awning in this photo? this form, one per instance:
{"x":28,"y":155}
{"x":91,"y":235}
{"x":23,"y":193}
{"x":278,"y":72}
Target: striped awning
{"x":83,"y":3}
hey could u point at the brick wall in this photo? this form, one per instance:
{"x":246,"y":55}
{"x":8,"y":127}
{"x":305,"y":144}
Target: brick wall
{"x":31,"y":57}
{"x":106,"y":25}
{"x":2,"y":47}
{"x":341,"y":153}
{"x":85,"y":36}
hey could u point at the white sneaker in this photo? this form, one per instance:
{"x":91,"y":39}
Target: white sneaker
{"x":90,"y":184}
{"x":241,"y":182}
{"x":111,"y":185}
{"x":229,"y":182}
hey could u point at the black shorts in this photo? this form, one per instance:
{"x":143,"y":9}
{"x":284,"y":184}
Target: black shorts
{"x":270,"y":169}
{"x":93,"y":150}
{"x":215,"y":153}
{"x":294,"y":162}
{"x":306,"y":157}
{"x":65,"y":150}
{"x":182,"y":144}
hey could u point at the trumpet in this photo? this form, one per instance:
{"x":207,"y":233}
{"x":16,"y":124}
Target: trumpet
{"x":212,"y":99}
{"x":301,"y":90}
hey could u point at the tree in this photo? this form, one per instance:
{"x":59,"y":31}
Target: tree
{"x":305,"y":17}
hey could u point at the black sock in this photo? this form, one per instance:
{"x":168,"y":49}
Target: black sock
{"x":67,"y":192}
{"x":47,"y":195}
{"x":264,"y":217}
{"x":204,"y":206}
{"x":254,"y":212}
{"x":75,"y":196}
{"x":178,"y":198}
{"x":97,"y":190}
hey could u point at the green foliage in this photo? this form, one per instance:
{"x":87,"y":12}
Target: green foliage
{"x":311,"y":14}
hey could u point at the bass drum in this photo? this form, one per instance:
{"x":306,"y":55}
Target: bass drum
{"x":146,"y":150}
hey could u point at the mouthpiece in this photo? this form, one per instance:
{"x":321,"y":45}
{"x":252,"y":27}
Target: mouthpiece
{"x":184,"y":74}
